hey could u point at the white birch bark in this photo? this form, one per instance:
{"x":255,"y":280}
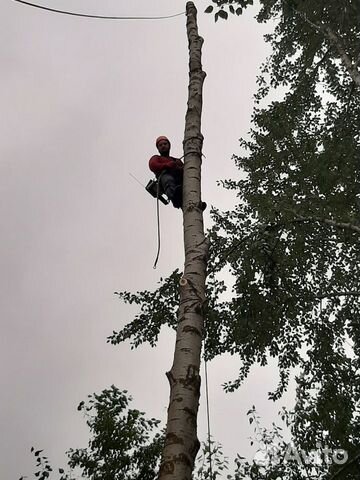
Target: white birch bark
{"x":181,"y":443}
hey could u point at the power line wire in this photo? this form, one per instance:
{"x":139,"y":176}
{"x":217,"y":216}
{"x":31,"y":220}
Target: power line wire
{"x":103,"y":17}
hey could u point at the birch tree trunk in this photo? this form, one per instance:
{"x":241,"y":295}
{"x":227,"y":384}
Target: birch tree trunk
{"x":181,"y":442}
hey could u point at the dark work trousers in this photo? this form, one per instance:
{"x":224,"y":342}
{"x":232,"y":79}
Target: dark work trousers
{"x":172,"y":186}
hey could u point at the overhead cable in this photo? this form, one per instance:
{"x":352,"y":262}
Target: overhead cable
{"x":103,"y":17}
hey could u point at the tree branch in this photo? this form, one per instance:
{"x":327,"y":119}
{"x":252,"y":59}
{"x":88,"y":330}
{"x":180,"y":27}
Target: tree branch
{"x":336,"y":42}
{"x":339,"y":294}
{"x":327,"y":221}
{"x":345,"y":58}
{"x":299,"y":219}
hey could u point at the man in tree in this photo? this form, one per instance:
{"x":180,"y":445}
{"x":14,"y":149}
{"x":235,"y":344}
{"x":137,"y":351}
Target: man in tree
{"x":169,"y":172}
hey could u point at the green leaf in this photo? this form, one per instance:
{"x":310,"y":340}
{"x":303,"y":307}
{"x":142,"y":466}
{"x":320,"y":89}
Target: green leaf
{"x":223,"y":14}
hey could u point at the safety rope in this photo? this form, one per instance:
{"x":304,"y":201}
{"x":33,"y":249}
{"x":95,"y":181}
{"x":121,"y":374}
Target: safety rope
{"x":158,"y":220}
{"x":208,"y":419}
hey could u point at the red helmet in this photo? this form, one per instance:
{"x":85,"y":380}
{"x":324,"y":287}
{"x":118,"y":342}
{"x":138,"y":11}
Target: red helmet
{"x":161,"y":138}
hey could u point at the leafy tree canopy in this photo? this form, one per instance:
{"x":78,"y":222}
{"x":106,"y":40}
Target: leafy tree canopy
{"x":123,"y":444}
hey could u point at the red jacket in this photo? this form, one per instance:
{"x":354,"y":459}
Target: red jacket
{"x":158,"y":164}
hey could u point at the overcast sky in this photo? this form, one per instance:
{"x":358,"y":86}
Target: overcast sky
{"x":82,"y":102}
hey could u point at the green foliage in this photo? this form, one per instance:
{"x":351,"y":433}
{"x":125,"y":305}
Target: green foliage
{"x":235,"y":7}
{"x":296,"y":294}
{"x":44,"y":469}
{"x":276,"y":458}
{"x":211,"y":463}
{"x":160,"y":307}
{"x":299,"y":200}
{"x":124,"y":445}
{"x":156,"y":309}
{"x":43,"y":466}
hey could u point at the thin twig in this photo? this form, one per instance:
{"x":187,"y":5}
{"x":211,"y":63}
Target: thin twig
{"x":327,"y":221}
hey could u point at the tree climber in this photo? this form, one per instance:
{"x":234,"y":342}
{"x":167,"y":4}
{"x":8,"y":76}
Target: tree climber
{"x":169,"y":172}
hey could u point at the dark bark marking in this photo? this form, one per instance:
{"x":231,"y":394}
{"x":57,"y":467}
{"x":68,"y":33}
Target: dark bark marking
{"x":185,"y":349}
{"x":191,"y":419}
{"x":172,"y":439}
{"x":190,"y":329}
{"x":192,"y":379}
{"x":182,"y":458}
{"x":171,"y":378}
{"x":167,"y":468}
{"x":198,"y":309}
{"x":190,"y":412}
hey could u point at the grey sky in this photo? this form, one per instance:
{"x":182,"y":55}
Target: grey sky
{"x":82,"y":102}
